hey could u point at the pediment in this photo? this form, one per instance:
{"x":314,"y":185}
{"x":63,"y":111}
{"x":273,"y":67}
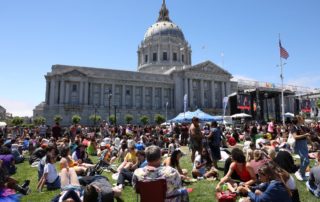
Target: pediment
{"x":209,"y":67}
{"x":74,"y":73}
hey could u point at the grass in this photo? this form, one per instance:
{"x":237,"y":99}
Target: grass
{"x":202,"y":190}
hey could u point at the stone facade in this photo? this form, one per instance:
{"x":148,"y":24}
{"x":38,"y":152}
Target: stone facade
{"x":165,"y":74}
{"x":3,"y":112}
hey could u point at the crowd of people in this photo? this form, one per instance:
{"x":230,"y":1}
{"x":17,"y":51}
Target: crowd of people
{"x":258,"y":159}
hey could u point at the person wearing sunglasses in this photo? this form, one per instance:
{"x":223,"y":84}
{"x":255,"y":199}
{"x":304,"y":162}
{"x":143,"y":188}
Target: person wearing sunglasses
{"x":273,"y":187}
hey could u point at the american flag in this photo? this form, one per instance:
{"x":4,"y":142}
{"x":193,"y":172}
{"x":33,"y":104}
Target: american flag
{"x":283,"y":52}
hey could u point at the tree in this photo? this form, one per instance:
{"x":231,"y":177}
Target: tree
{"x":128,"y":118}
{"x":17,"y":121}
{"x":39,"y":120}
{"x":158,"y":118}
{"x":76,"y":119}
{"x":144,"y":119}
{"x":57,"y":118}
{"x":95,"y":118}
{"x":112,"y":119}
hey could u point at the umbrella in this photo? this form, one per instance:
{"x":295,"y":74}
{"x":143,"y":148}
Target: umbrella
{"x":289,"y":114}
{"x":3,"y":124}
{"x":309,"y":121}
{"x":241,"y":115}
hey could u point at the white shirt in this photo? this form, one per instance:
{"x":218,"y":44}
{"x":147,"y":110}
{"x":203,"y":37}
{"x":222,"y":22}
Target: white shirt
{"x":74,"y":156}
{"x":52,"y":172}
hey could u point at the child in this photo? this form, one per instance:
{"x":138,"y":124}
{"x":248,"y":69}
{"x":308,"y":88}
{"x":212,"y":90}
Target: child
{"x":50,"y":175}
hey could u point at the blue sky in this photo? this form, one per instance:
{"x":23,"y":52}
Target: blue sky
{"x":36,"y":34}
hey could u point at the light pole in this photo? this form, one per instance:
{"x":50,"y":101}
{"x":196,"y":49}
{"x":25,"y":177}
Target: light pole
{"x":267,"y":108}
{"x":115,"y":115}
{"x":109,"y":97}
{"x":167,"y":111}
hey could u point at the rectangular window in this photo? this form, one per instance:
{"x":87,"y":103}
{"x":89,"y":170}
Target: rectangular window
{"x":174,"y":57}
{"x":154,"y":57}
{"x":182,"y":58}
{"x":146,"y":58}
{"x":74,"y":88}
{"x":165,"y":56}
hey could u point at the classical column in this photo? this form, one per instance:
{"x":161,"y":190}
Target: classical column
{"x":153,"y":98}
{"x":123,"y":97}
{"x":47,"y":92}
{"x":113,"y":94}
{"x":67,"y":93}
{"x":52,"y":90}
{"x":228,"y":88}
{"x":170,"y":55}
{"x":133,"y":97}
{"x":101,"y":94}
{"x":190,"y":93}
{"x":81,"y":93}
{"x":62,"y":87}
{"x":143,"y":97}
{"x":201,"y":93}
{"x":223,"y":89}
{"x":163,"y":103}
{"x":159,"y":54}
{"x":213,"y":94}
{"x":86,"y":91}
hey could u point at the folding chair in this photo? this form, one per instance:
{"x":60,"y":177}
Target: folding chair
{"x":154,"y":191}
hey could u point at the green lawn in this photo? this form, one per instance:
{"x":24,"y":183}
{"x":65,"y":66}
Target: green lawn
{"x":202,"y":190}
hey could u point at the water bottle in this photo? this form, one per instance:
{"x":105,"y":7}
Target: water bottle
{"x":200,"y":178}
{"x":224,"y":187}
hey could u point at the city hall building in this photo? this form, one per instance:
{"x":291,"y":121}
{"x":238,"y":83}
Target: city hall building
{"x":165,"y":73}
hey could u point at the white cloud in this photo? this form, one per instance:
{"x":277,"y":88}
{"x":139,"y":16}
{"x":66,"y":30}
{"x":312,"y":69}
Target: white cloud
{"x":241,"y":77}
{"x":312,"y":81}
{"x":16,"y":107}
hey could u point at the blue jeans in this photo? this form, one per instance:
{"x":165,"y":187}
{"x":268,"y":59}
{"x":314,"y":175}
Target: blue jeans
{"x":301,"y":148}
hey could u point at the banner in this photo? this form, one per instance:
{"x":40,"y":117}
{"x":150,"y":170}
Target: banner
{"x":306,"y":106}
{"x":185,"y":102}
{"x":225,"y":104}
{"x":243,"y":102}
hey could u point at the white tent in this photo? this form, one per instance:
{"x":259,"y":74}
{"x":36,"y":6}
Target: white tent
{"x":3,"y":124}
{"x":241,"y":115}
{"x":289,"y":114}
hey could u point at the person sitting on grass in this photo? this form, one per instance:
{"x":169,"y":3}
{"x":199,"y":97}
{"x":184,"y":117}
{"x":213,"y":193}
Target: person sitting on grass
{"x":244,"y":172}
{"x":126,"y":174}
{"x":50,"y":175}
{"x":154,"y":171}
{"x":130,"y":160}
{"x":174,"y":162}
{"x":92,"y":147}
{"x":80,"y":155}
{"x":313,"y":184}
{"x":67,"y":162}
{"x":7,"y":158}
{"x":273,"y":188}
{"x":201,"y":162}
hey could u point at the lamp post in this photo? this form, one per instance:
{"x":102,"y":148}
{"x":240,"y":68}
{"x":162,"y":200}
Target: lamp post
{"x":167,"y":111}
{"x":115,"y":115}
{"x":95,"y":116}
{"x":109,"y":97}
{"x":267,"y":108}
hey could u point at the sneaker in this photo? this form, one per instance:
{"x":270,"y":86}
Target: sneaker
{"x":299,"y":176}
{"x":25,"y":184}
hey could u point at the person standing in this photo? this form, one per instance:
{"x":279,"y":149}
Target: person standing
{"x":56,"y":131}
{"x":214,"y":139}
{"x":301,"y":146}
{"x":195,"y":143}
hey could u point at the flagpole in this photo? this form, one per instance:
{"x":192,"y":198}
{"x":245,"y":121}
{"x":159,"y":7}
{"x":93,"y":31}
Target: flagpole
{"x":282,"y":89}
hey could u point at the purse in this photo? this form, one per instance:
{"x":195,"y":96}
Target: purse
{"x":291,"y":141}
{"x":226,"y":196}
